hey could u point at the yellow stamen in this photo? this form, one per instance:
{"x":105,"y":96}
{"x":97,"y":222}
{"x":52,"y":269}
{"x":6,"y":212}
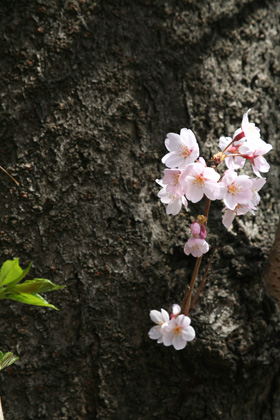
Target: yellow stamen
{"x":196,"y":246}
{"x":234,"y":189}
{"x":184,"y":151}
{"x":199,"y":181}
{"x":177,"y":330}
{"x":175,"y":178}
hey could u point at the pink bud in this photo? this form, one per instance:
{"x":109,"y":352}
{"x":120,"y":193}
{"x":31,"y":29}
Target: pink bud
{"x":195,"y":228}
{"x":203,"y":232}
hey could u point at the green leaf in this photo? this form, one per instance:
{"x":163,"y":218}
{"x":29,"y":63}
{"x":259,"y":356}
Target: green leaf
{"x":30,"y":299}
{"x":27,"y":292}
{"x":11,"y":273}
{"x":7,"y":359}
{"x":36,"y":285}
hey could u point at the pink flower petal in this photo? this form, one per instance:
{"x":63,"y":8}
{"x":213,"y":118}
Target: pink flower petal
{"x":229,"y":177}
{"x":193,"y":193}
{"x":228,"y":218}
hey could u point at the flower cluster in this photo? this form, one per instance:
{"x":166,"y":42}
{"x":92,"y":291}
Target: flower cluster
{"x":188,"y":178}
{"x":174,"y":330}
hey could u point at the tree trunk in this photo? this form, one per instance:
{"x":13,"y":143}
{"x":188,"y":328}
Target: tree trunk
{"x":88,"y":92}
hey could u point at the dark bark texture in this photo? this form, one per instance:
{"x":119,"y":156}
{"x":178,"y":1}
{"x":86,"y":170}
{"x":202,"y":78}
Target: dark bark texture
{"x":89,"y":90}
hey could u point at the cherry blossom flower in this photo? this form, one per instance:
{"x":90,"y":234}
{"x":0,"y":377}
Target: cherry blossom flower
{"x":251,"y":132}
{"x":183,"y":149}
{"x":254,"y":151}
{"x":198,"y":180}
{"x":161,"y":319}
{"x":177,"y":332}
{"x":174,"y":203}
{"x":247,"y":131}
{"x":239,"y":209}
{"x":247,"y":145}
{"x":172,"y":180}
{"x":235,"y":189}
{"x":196,"y":247}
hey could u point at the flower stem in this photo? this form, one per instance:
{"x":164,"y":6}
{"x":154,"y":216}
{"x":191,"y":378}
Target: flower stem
{"x":188,"y":293}
{"x":203,"y":281}
{"x":228,"y":146}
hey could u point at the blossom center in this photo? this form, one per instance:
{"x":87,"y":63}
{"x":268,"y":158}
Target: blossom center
{"x":234,"y":189}
{"x":196,"y":246}
{"x":184,"y":151}
{"x":199,"y":181}
{"x":175,"y":178}
{"x":177,"y":330}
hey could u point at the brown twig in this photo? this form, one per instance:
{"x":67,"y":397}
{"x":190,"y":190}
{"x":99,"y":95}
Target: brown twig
{"x":272,"y":274}
{"x":204,"y":280}
{"x":188,"y":292}
{"x":15,"y":181}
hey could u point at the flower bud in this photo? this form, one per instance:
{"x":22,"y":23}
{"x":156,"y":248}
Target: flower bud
{"x":203,"y":232}
{"x":195,"y":228}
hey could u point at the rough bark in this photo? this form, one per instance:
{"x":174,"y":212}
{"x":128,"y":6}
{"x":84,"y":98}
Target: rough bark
{"x":88,"y":92}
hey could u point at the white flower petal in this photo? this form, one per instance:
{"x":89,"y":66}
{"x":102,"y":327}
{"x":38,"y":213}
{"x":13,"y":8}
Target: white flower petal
{"x":188,"y":334}
{"x":174,"y":207}
{"x":193,"y":193}
{"x":228,"y":218}
{"x":178,"y":342}
{"x":155,"y":332}
{"x":167,"y":338}
{"x":156,"y":317}
{"x":176,"y":309}
{"x":165,"y":315}
{"x":172,"y":160}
